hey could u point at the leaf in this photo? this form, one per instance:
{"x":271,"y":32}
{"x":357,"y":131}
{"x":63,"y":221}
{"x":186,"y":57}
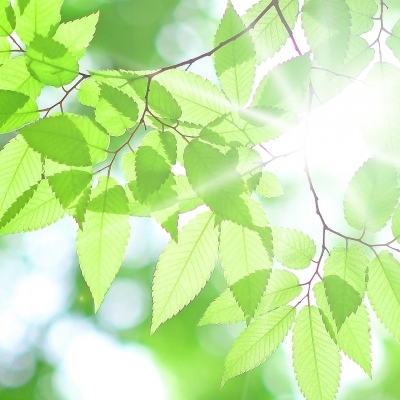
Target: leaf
{"x":102,"y":241}
{"x":381,"y":125}
{"x":68,"y":139}
{"x":50,"y":62}
{"x":115,"y":111}
{"x":361,"y":12}
{"x":269,"y":186}
{"x":371,"y":196}
{"x":316,"y":357}
{"x":269,"y":34}
{"x":282,"y":287}
{"x":223,"y":310}
{"x":286,"y":86}
{"x":42,"y":209}
{"x":76,"y":35}
{"x":5,"y":51}
{"x":235,"y":62}
{"x":187,"y":198}
{"x":200,"y":101}
{"x":68,"y":185}
{"x":37,"y":17}
{"x":21,"y":169}
{"x":327,"y":25}
{"x":184,"y":268}
{"x":249,"y":290}
{"x":393,"y":41}
{"x":258,"y":341}
{"x":384,"y":291}
{"x":128,"y":166}
{"x":16,"y":110}
{"x":163,"y":142}
{"x":7,"y":18}
{"x":396,"y":223}
{"x":292,"y":248}
{"x":242,"y":252}
{"x":350,"y":264}
{"x":343,"y":299}
{"x":216,"y":182}
{"x":89,"y":92}
{"x":16,"y":77}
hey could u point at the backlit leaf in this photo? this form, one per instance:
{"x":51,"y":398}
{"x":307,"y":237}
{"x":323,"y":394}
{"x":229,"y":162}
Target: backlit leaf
{"x":7,"y":18}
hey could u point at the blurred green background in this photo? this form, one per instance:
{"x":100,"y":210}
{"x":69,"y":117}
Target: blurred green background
{"x":53,"y":347}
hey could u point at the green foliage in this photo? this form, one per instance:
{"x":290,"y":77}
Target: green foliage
{"x":205,"y":144}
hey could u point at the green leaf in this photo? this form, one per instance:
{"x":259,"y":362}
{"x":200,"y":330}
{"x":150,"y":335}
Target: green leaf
{"x":381,"y":124}
{"x":282,"y":287}
{"x":258,"y":341}
{"x":187,"y":198}
{"x":269,"y":34}
{"x":327,"y":25}
{"x":50,"y":62}
{"x":5,"y":50}
{"x":396,"y":223}
{"x":223,"y":310}
{"x":184,"y":268}
{"x":200,"y":101}
{"x":21,"y":169}
{"x":89,"y":92}
{"x":40,"y":210}
{"x":68,"y":185}
{"x":384,"y":291}
{"x":235,"y":62}
{"x":292,"y":248}
{"x":371,"y":196}
{"x":316,"y":357}
{"x":7,"y":18}
{"x":393,"y":41}
{"x":16,"y":110}
{"x":286,"y":86}
{"x":343,"y":299}
{"x":102,"y":241}
{"x":163,"y":142}
{"x":216,"y":182}
{"x":242,"y":252}
{"x":37,"y":17}
{"x":68,"y":139}
{"x":350,"y":264}
{"x":76,"y":35}
{"x":128,"y":166}
{"x":16,"y":77}
{"x":269,"y":186}
{"x":249,"y":290}
{"x":361,"y":12}
{"x":115,"y":110}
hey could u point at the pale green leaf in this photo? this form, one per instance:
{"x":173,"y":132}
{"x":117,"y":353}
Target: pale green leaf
{"x":393,"y":41}
{"x":327,"y":25}
{"x":384,"y":291}
{"x":371,"y":196}
{"x":21,"y":169}
{"x":76,"y":35}
{"x":16,"y":110}
{"x":292,"y":248}
{"x":282,"y":287}
{"x":200,"y":101}
{"x":343,"y":299}
{"x":184,"y":268}
{"x":50,"y":62}
{"x":350,"y":264}
{"x":102,"y":241}
{"x":7,"y":18}
{"x":235,"y":62}
{"x":258,"y":341}
{"x":37,"y":17}
{"x":223,"y":310}
{"x":163,"y":142}
{"x":316,"y":357}
{"x":187,"y":198}
{"x":396,"y":223}
{"x":128,"y":166}
{"x":136,"y":208}
{"x":89,"y":92}
{"x":242,"y":252}
{"x":5,"y":50}
{"x":286,"y":86}
{"x":16,"y":77}
{"x":269,"y":186}
{"x":361,"y":12}
{"x":68,"y":139}
{"x":115,"y":110}
{"x":40,"y":210}
{"x":269,"y":34}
